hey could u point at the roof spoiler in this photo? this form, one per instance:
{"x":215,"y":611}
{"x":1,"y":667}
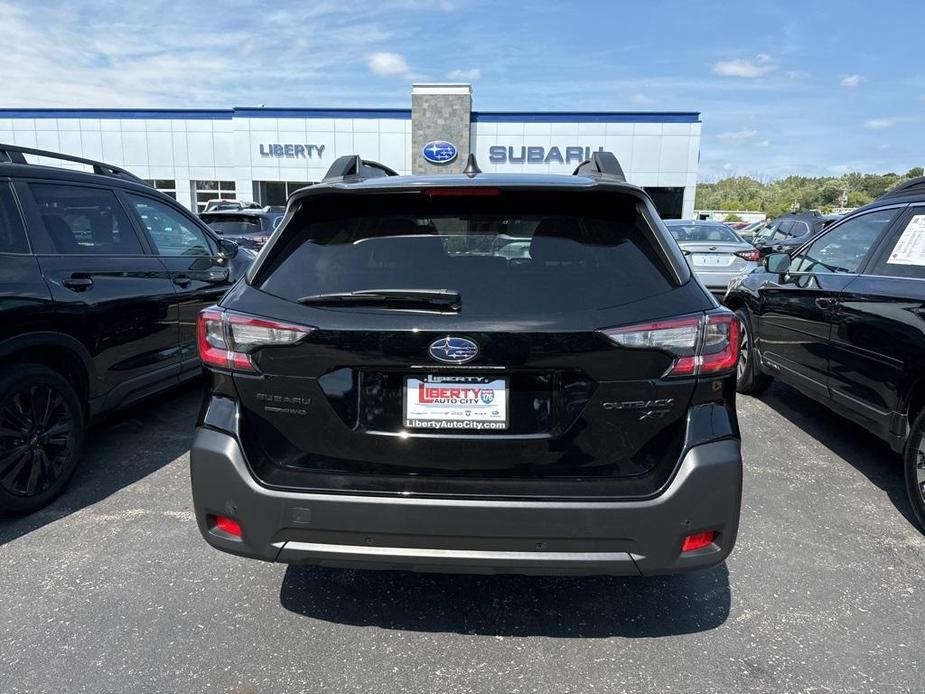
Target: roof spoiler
{"x":351,"y":166}
{"x":15,"y":154}
{"x":602,"y":165}
{"x":913,"y":185}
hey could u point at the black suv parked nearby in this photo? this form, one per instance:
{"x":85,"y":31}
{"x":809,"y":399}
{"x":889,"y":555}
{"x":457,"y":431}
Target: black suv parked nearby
{"x":101,"y":280}
{"x":247,"y":227}
{"x":843,"y":320}
{"x":389,"y":389}
{"x":790,"y":231}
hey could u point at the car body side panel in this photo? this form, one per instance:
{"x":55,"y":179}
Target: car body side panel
{"x":877,"y":347}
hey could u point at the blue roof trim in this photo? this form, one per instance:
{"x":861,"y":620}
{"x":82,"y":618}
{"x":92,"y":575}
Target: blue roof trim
{"x":585,"y":117}
{"x":123,"y":113}
{"x":251,"y":112}
{"x":396,"y":113}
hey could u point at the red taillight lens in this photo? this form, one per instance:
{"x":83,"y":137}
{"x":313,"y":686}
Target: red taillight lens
{"x":227,"y":339}
{"x":698,"y":541}
{"x":752,"y":255}
{"x":226,"y":525}
{"x":719,"y":349}
{"x":701,"y":345}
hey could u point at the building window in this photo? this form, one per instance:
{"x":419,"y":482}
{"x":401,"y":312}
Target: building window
{"x":164,"y":185}
{"x":276,"y":192}
{"x":668,"y":201}
{"x":203,"y":191}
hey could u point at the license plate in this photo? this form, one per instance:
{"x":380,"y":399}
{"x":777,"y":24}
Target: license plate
{"x":473,"y":403}
{"x":711,"y":259}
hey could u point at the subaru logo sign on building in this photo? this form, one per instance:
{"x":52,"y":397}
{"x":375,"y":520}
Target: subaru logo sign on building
{"x":439,"y":152}
{"x":453,"y":350}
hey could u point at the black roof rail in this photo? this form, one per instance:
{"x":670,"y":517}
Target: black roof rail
{"x":603,"y":164}
{"x":14,"y":154}
{"x":910,"y":187}
{"x":351,"y":166}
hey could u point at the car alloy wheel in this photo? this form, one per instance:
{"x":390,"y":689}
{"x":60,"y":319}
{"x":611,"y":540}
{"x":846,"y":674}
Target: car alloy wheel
{"x":742,"y":366}
{"x":920,"y":470}
{"x":37,"y":434}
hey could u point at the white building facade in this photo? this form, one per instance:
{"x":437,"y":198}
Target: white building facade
{"x":263,"y":154}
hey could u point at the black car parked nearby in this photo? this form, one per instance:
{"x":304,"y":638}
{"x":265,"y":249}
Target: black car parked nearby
{"x":843,"y":320}
{"x":389,"y":388}
{"x":101,"y":280}
{"x":790,"y":231}
{"x":249,"y":228}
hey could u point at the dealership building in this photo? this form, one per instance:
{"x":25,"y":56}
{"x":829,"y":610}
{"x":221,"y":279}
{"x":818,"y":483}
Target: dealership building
{"x":263,"y":154}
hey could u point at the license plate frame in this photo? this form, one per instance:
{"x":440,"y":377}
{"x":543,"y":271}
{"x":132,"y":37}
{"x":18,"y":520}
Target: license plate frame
{"x":478,"y":416}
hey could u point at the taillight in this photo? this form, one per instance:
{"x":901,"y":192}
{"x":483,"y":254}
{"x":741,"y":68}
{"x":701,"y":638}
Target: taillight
{"x":699,"y":541}
{"x":753,"y":255}
{"x":706,"y":344}
{"x":227,"y":339}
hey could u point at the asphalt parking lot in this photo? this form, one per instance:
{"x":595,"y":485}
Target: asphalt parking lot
{"x":111,"y":589}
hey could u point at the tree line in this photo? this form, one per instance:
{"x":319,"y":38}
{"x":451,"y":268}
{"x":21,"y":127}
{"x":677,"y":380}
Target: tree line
{"x":798,"y":192}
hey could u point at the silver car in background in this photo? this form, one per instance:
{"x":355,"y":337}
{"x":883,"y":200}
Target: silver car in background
{"x":715,"y":252}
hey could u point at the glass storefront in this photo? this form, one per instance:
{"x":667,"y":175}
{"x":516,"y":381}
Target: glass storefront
{"x":276,"y":192}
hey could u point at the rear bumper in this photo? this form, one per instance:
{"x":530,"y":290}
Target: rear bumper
{"x":471,"y":536}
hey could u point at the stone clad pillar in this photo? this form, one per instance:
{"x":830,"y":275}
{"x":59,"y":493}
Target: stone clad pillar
{"x":440,"y":112}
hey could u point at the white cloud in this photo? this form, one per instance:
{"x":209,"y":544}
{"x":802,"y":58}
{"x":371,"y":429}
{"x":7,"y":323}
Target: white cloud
{"x":737,"y":135}
{"x":763,"y":143}
{"x":469,"y":75}
{"x":389,"y":65}
{"x":851,"y":81}
{"x":760,"y":65}
{"x":640,"y":99}
{"x":879,"y":123}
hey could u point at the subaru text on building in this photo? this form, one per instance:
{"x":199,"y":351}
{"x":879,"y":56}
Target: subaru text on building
{"x":101,"y":280}
{"x":388,"y":390}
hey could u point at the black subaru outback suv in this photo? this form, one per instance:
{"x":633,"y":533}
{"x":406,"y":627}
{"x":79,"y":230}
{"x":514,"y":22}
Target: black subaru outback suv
{"x":842,"y":319}
{"x":101,"y":280}
{"x":390,"y":390}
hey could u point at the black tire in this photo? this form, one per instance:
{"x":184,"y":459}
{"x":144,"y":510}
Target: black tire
{"x":41,"y":434}
{"x":749,"y":378}
{"x":914,"y":463}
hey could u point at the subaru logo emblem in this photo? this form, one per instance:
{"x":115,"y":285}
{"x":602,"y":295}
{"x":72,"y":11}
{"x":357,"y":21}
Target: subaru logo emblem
{"x":453,"y":350}
{"x":439,"y":152}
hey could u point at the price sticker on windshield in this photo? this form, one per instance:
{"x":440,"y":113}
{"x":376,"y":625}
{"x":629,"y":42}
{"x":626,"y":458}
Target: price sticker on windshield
{"x":910,"y":248}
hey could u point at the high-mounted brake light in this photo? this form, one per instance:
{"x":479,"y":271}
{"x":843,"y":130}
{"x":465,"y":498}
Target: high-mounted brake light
{"x":753,"y":255}
{"x":474,"y":192}
{"x":227,"y":339}
{"x":706,"y":344}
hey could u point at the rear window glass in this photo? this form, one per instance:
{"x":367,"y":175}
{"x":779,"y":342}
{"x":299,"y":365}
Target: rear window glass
{"x":514,"y":254}
{"x":691,"y":233}
{"x":233,"y":224}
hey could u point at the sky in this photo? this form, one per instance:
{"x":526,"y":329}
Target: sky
{"x":811,"y":88}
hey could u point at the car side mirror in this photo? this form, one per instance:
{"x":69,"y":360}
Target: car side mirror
{"x":227,"y":248}
{"x":777,"y":263}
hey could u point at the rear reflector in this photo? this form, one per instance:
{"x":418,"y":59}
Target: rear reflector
{"x":227,"y":525}
{"x":705,"y":344}
{"x":474,"y":192}
{"x":698,"y":541}
{"x":227,"y":339}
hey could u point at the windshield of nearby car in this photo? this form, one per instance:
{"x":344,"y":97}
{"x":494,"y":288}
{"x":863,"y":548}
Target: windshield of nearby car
{"x":233,"y":225}
{"x":515,"y":254}
{"x":686,"y":233}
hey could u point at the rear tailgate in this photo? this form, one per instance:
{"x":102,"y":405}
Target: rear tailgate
{"x":547,"y":404}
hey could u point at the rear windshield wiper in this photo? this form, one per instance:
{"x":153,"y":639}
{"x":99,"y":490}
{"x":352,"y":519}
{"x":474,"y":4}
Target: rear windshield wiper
{"x":442,"y":299}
